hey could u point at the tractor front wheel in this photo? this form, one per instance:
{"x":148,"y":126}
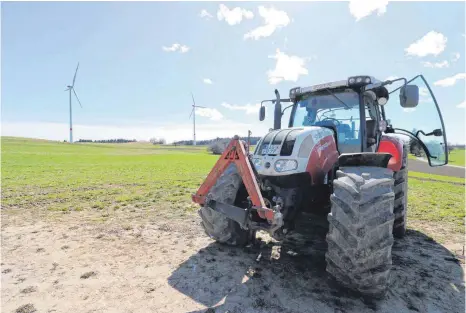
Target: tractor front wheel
{"x":359,"y":254}
{"x":217,"y":226}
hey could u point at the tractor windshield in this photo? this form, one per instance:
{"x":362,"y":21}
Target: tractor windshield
{"x":323,"y":109}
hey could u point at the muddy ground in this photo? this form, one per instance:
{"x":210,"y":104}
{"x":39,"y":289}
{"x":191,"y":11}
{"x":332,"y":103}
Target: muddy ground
{"x":72,"y":264}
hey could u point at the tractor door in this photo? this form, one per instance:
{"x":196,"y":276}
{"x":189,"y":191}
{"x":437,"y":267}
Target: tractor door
{"x":423,"y":123}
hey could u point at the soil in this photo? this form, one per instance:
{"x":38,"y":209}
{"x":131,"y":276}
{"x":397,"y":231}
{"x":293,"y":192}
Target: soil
{"x":166,"y":264}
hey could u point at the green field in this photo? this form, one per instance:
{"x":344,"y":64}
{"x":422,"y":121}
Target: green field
{"x":65,"y":177}
{"x":456,"y":157}
{"x":59,"y":178}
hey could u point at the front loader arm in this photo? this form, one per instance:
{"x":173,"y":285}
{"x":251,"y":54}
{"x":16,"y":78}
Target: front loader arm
{"x":235,"y":152}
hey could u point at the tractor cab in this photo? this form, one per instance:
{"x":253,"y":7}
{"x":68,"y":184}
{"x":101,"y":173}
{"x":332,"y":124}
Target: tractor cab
{"x":354,"y":110}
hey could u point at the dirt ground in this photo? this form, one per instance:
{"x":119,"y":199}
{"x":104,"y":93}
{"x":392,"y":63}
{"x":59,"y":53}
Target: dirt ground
{"x":169,"y":265}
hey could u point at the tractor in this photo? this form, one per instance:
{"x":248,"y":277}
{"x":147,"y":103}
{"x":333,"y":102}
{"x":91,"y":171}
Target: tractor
{"x":339,"y":157}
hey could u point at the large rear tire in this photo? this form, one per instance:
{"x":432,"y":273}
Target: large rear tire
{"x":360,"y":235}
{"x":401,"y":197}
{"x":217,"y":226}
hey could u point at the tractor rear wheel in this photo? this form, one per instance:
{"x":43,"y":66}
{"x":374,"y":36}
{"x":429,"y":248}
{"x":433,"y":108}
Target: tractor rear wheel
{"x":401,"y":197}
{"x":217,"y":226}
{"x":360,"y":235}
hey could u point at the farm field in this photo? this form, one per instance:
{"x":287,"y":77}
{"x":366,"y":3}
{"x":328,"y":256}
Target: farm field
{"x":456,"y":157}
{"x":111,"y":228}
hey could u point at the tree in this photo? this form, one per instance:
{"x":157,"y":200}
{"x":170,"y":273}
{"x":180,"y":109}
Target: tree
{"x":450,"y":148}
{"x":414,"y":146}
{"x":158,"y":141}
{"x":218,"y":146}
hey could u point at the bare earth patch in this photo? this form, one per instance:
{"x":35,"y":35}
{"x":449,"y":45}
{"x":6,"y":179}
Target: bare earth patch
{"x":167,"y":264}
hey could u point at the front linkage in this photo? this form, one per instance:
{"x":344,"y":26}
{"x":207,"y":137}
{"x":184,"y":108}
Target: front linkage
{"x":271,"y":219}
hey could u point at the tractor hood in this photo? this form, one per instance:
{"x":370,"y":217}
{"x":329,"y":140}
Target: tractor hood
{"x":288,"y":151}
{"x":283,"y":141}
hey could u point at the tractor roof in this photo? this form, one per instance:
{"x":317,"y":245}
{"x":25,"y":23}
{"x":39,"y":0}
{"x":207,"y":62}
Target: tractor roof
{"x":353,"y":81}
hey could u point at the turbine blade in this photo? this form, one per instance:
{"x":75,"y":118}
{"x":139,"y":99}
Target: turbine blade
{"x":77,"y":98}
{"x":76,"y":72}
{"x":198,"y":106}
{"x":194,"y":103}
{"x":191,"y":113}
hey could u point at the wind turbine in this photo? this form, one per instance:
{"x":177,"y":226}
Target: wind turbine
{"x":71,"y":89}
{"x":193,"y":113}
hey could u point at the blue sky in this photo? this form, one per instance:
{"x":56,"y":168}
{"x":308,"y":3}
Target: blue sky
{"x":140,"y":61}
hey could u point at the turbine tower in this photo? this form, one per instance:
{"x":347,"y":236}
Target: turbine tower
{"x":193,"y":113}
{"x":71,"y":90}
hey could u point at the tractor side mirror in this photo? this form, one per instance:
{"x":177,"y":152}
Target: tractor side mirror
{"x":436,"y":132}
{"x":409,"y":96}
{"x":262,"y":113}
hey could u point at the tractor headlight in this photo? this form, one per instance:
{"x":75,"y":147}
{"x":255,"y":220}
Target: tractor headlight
{"x":359,"y":80}
{"x":285,"y":165}
{"x":257,"y":163}
{"x":294,"y":92}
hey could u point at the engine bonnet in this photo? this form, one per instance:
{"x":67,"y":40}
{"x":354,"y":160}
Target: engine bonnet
{"x":291,"y":141}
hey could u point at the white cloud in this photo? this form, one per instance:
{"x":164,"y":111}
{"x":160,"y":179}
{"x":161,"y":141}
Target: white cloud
{"x":456,"y":57}
{"x":176,"y":47}
{"x":233,"y":16}
{"x":450,"y":81}
{"x":424,"y":92}
{"x":172,"y":48}
{"x":205,"y":14}
{"x":212,"y":114}
{"x":462,"y":105}
{"x":184,"y":49}
{"x":273,"y":19}
{"x":436,"y":64}
{"x":286,"y":68}
{"x":248,"y":108}
{"x":207,"y":81}
{"x":431,"y":43}
{"x":362,"y":8}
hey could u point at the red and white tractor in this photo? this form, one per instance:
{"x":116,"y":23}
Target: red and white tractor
{"x":339,"y":156}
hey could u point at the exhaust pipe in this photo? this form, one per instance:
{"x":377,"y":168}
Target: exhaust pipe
{"x":277,"y":117}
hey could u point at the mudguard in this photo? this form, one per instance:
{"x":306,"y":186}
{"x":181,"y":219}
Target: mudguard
{"x":393,"y":146}
{"x":379,"y":159}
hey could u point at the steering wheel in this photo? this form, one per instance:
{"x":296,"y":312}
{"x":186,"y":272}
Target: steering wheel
{"x":338,"y":123}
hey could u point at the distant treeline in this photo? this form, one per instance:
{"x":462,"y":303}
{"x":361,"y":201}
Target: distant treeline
{"x":120,"y":140}
{"x":253,"y":140}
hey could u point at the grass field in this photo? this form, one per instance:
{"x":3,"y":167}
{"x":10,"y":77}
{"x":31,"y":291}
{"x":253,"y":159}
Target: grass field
{"x":105,"y":178}
{"x":64,"y":177}
{"x":456,"y":157}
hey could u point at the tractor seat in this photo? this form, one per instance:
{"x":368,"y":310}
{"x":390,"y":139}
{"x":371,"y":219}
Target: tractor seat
{"x":345,"y":129}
